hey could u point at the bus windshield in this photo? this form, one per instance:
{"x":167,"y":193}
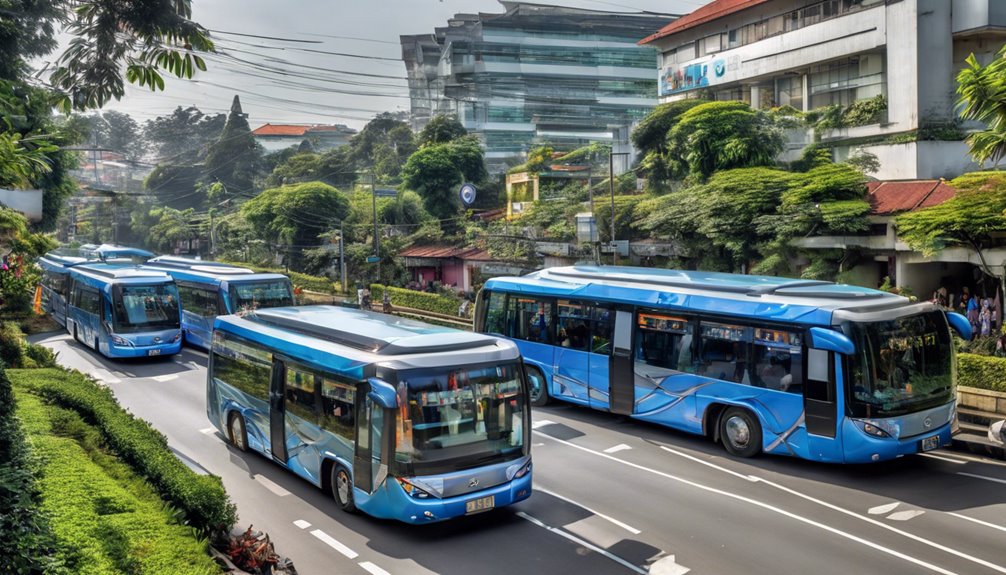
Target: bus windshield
{"x":901,"y":365}
{"x":248,"y":296}
{"x":455,"y":419}
{"x":146,"y":307}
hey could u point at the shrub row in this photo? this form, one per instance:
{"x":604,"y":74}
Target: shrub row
{"x":303,"y":281}
{"x":105,"y":518}
{"x":16,"y":352}
{"x":416,"y":299}
{"x":27,"y":541}
{"x":202,"y":499}
{"x":981,"y":371}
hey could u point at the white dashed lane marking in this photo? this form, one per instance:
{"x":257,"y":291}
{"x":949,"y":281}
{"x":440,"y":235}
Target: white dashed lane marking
{"x":541,"y":423}
{"x":617,"y":448}
{"x":271,"y":486}
{"x":331,"y":542}
{"x":165,"y":377}
{"x":208,"y":430}
{"x":981,"y":477}
{"x":628,"y":528}
{"x":301,"y":524}
{"x":373,"y":568}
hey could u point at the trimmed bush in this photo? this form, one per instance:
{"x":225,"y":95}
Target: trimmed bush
{"x":105,"y":518}
{"x":201,"y":499}
{"x":11,"y":344}
{"x":416,"y":299}
{"x":981,"y":371}
{"x":27,"y":542}
{"x":303,"y":281}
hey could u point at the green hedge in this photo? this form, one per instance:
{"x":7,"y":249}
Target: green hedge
{"x":106,"y":519}
{"x":981,"y":371}
{"x":27,"y":543}
{"x":303,"y":281}
{"x":201,"y":498}
{"x":416,"y":299}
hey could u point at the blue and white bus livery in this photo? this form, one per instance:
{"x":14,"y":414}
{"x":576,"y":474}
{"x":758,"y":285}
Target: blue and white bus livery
{"x":209,"y":289}
{"x":396,"y":418}
{"x":763,"y":364}
{"x":122,"y":311}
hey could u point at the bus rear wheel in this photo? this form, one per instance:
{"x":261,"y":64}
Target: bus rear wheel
{"x":342,"y":488}
{"x":237,"y":432}
{"x":538,"y":387}
{"x":740,"y":432}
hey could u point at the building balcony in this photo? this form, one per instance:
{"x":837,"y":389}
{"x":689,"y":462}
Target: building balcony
{"x":972,"y":16}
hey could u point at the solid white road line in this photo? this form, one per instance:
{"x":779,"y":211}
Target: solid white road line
{"x":975,"y":459}
{"x":300,"y":523}
{"x":761,"y":504}
{"x":982,"y":477}
{"x":978,"y":521}
{"x":706,"y":463}
{"x":628,"y":528}
{"x":667,"y":566}
{"x":271,"y":486}
{"x":373,"y":568}
{"x":883,"y":509}
{"x":617,"y":448}
{"x":165,"y":377}
{"x":331,"y":542}
{"x":942,"y":458}
{"x":541,"y":423}
{"x":579,"y":541}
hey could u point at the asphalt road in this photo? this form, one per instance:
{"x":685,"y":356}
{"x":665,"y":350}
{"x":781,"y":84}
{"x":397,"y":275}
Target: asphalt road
{"x":611,"y":496}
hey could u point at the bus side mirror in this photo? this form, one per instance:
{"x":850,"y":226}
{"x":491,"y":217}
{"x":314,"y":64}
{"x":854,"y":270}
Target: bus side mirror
{"x":831,"y":340}
{"x":382,"y":393}
{"x":960,"y":324}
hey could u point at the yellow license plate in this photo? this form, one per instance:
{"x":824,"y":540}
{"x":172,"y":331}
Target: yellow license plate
{"x":479,"y":505}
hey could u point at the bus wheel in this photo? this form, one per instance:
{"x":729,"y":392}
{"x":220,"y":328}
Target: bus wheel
{"x":740,"y":432}
{"x":342,"y":488}
{"x":538,"y":387}
{"x":75,"y":338}
{"x":238,"y":433}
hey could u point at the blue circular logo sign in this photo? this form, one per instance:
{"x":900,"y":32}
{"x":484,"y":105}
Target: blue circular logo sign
{"x":467,"y":194}
{"x":719,"y":68}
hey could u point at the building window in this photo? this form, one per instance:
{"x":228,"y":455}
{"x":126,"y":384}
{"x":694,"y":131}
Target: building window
{"x":789,"y":91}
{"x":847,"y":81}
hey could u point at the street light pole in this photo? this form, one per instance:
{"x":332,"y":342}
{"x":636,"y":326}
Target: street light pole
{"x":342,"y":258}
{"x":611,"y":188}
{"x":377,"y":240}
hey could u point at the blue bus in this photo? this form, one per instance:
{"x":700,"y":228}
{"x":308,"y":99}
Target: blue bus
{"x":55,"y":267}
{"x":209,"y":289}
{"x":123,"y":311}
{"x":812,"y":369}
{"x":397,"y":418}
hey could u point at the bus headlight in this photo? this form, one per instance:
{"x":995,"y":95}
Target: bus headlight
{"x":119,"y":340}
{"x":177,"y":337}
{"x":874,"y":428}
{"x":523,"y":471}
{"x":411,"y":490}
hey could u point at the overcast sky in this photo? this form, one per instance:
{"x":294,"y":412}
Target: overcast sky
{"x":289,"y":90}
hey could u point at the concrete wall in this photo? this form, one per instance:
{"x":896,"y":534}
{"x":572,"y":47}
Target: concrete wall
{"x":973,"y":14}
{"x":934,"y":61}
{"x":28,"y":202}
{"x":926,"y":160}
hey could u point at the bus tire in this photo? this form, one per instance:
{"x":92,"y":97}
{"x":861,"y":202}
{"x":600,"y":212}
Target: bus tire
{"x":236,"y":432}
{"x":537,"y":386}
{"x":342,"y":488}
{"x":75,"y":338}
{"x":740,"y":432}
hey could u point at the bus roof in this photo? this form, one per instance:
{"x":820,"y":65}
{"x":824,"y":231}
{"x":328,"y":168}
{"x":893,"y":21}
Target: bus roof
{"x":786,"y":299}
{"x":214,"y":272}
{"x":334,"y":336}
{"x":109,"y":251}
{"x":120,"y":273}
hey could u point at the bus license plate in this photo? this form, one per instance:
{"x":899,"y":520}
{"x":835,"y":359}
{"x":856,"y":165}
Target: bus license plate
{"x":931,"y":443}
{"x":479,"y":505}
{"x":153,"y":352}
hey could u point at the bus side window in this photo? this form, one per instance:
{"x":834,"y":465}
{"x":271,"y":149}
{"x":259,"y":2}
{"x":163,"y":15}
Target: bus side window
{"x":496,"y":313}
{"x":664,"y":341}
{"x":724,"y":352}
{"x":299,"y":393}
{"x":532,"y":319}
{"x":777,"y":360}
{"x":601,"y":326}
{"x":337,"y":407}
{"x":245,"y":366}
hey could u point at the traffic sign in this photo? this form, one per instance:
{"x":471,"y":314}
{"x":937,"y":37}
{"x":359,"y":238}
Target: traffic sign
{"x":373,"y":259}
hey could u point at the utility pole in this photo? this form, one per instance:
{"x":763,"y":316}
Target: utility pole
{"x":342,"y":258}
{"x":211,"y":234}
{"x":377,"y":240}
{"x":611,"y":188}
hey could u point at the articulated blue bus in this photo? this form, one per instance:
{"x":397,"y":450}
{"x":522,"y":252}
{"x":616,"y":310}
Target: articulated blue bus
{"x":55,"y":265}
{"x":209,"y":289}
{"x":123,"y":311}
{"x":396,"y":418}
{"x":812,"y":369}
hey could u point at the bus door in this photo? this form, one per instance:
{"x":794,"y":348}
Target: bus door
{"x":820,"y":403}
{"x":277,"y":412}
{"x":572,"y":355}
{"x":302,"y":398}
{"x":621,"y":374}
{"x":370,"y":467}
{"x":602,"y":328}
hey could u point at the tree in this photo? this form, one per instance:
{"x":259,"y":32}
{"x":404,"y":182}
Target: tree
{"x":650,"y":137}
{"x":22,"y":247}
{"x":335,"y":167}
{"x":441,"y":129}
{"x":235,"y":158}
{"x":972,"y":218}
{"x":171,"y":226}
{"x":176,"y":186}
{"x":184,"y":136}
{"x":720,"y":136}
{"x":383,"y":146}
{"x":294,"y":216}
{"x":982,"y":97}
{"x":436,"y":171}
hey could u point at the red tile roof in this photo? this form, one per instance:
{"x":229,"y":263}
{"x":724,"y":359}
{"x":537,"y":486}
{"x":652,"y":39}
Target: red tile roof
{"x":712,"y":11}
{"x":894,"y":197}
{"x":281,"y":130}
{"x":445,"y":252}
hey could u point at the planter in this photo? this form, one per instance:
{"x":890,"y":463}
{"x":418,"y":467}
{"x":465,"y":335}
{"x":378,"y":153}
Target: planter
{"x":981,"y":399}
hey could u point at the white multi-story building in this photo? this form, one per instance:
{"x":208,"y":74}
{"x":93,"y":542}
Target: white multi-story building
{"x":811,"y":53}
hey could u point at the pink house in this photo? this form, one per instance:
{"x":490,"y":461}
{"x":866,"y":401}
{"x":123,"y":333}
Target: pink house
{"x":451,"y":266}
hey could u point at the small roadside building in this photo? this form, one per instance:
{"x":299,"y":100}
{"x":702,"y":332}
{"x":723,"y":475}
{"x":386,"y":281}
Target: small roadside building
{"x":455,"y":267}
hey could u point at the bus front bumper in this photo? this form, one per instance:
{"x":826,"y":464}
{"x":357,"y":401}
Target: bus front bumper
{"x":144,"y":351}
{"x":393,"y":503}
{"x":863,"y":448}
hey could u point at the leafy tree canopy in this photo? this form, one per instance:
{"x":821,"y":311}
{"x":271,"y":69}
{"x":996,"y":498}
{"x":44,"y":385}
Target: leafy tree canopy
{"x":235,"y":158}
{"x":184,"y":136}
{"x":117,"y":132}
{"x":169,"y":226}
{"x":982,"y":97}
{"x":383,"y":146}
{"x":442,"y":129}
{"x":436,"y":171}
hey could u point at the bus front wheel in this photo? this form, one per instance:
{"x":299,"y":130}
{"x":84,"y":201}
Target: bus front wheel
{"x":538,"y":387}
{"x":740,"y":432}
{"x":238,"y":433}
{"x":342,"y":488}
